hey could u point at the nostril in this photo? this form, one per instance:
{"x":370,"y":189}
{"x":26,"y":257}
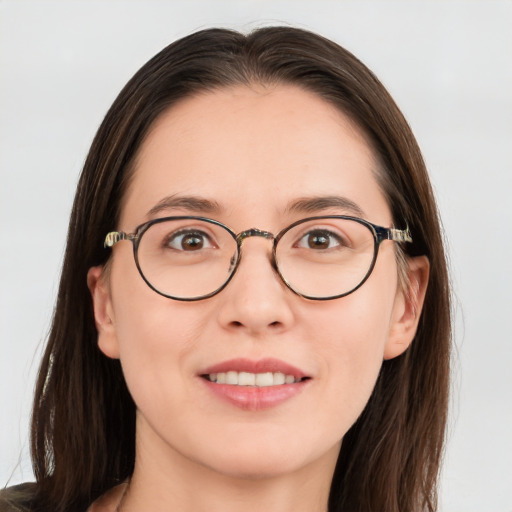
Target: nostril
{"x":236,"y":323}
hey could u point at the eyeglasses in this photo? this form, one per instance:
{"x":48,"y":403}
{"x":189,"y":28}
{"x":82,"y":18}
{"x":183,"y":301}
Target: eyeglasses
{"x":320,"y":258}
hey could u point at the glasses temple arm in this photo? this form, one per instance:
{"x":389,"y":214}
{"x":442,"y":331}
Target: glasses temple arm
{"x":399,"y":235}
{"x":116,"y":236}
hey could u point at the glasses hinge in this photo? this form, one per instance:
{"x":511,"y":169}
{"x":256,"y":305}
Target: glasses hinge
{"x":113,"y":237}
{"x":400,"y":235}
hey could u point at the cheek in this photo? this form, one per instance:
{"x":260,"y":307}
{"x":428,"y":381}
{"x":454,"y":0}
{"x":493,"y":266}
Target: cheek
{"x":355,"y":327}
{"x":351,"y":335}
{"x":155,"y":336}
{"x":145,"y":321}
{"x":353,"y":351}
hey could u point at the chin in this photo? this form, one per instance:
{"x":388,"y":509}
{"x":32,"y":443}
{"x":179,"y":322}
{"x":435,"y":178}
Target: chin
{"x":256,"y":458}
{"x":257,"y":467}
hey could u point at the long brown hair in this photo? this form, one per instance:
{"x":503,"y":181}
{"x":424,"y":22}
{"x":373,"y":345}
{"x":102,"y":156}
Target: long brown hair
{"x":83,"y":426}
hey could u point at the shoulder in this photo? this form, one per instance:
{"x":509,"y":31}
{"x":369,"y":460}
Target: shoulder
{"x":17,"y":498}
{"x":110,"y":501}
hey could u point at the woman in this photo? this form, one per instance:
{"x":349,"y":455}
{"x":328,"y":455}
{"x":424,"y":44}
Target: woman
{"x":269,"y":325}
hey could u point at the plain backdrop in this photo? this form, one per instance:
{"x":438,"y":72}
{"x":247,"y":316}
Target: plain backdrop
{"x":447,"y":63}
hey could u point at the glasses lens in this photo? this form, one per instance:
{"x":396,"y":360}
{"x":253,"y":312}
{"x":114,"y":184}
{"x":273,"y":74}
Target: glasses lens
{"x":186,"y":258}
{"x":325,"y":257}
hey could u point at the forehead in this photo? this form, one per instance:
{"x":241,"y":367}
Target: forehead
{"x":253,"y":149}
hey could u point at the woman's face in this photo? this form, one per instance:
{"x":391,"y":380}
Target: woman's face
{"x":245,"y":156}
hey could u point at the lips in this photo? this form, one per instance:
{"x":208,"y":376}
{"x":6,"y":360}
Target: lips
{"x":254,"y":385}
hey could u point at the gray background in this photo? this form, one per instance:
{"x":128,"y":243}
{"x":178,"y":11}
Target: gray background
{"x":448,"y":65}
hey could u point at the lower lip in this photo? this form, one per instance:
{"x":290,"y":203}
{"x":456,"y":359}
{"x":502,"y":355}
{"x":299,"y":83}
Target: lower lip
{"x":252,"y":398}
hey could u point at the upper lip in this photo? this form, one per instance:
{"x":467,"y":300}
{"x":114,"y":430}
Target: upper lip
{"x":255,"y":366}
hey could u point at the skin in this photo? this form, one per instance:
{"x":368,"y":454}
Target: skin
{"x":253,"y":150}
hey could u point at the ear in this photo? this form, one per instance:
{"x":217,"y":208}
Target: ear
{"x":407,"y":307}
{"x":103,"y":311}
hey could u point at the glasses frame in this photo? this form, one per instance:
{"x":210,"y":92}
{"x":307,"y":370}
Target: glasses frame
{"x":379,"y":235}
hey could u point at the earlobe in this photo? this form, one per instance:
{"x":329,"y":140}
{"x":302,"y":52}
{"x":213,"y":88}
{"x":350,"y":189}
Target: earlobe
{"x":103,"y":312}
{"x":408,"y":307}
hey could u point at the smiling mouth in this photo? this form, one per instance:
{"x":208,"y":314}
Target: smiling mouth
{"x":259,"y":380}
{"x":255,"y":385}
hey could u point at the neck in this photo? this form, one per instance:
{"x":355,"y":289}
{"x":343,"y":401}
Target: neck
{"x":167,"y":480}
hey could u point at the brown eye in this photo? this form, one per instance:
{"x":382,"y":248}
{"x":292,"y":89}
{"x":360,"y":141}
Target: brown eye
{"x":192,"y":242}
{"x":188,"y":241}
{"x":319,"y":240}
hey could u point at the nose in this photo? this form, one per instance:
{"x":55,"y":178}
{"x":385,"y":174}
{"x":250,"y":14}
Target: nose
{"x":256,"y":301}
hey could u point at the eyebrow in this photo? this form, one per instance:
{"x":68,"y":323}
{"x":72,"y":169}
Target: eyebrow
{"x":197,"y":204}
{"x":321,"y":203}
{"x":190,"y":203}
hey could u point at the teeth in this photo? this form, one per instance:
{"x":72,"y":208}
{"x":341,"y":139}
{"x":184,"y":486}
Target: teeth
{"x":264,"y":379}
{"x":289,"y":379}
{"x":246,"y":379}
{"x":280,"y":378}
{"x":231,"y":377}
{"x":261,"y":380}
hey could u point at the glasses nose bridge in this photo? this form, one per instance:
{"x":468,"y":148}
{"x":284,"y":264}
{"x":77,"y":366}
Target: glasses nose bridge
{"x":253,"y":232}
{"x":267,"y":235}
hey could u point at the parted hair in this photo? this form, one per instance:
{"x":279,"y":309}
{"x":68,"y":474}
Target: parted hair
{"x":83,"y":422}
